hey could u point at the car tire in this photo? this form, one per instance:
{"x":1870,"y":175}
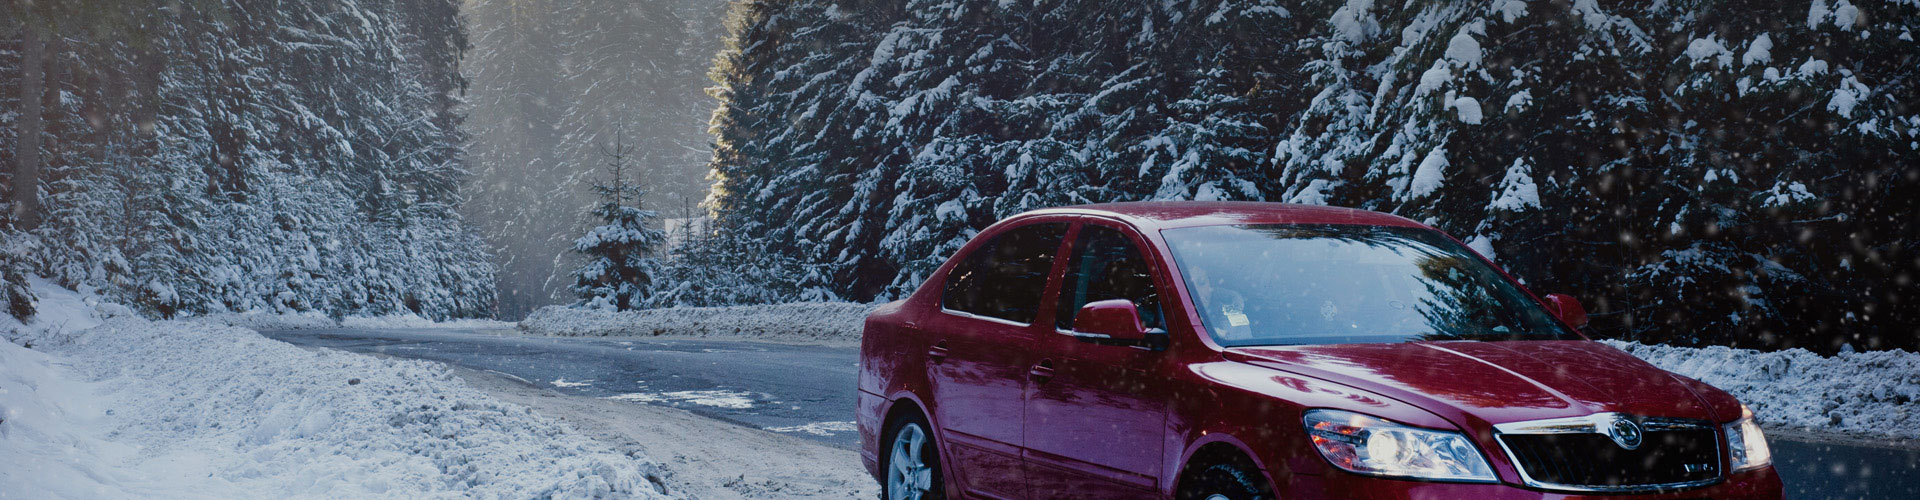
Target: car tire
{"x":1226,"y":480}
{"x":910,"y":462}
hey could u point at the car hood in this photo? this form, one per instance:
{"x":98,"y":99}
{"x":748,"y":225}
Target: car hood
{"x":1478,"y":384}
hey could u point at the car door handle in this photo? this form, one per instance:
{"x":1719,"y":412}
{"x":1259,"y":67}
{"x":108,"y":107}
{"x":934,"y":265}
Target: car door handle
{"x":1042,"y":372}
{"x":938,"y":352}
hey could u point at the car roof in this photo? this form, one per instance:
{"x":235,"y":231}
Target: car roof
{"x":1171,"y":214}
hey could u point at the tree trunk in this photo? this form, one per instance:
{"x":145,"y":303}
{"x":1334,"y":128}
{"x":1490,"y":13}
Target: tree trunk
{"x":26,"y":172}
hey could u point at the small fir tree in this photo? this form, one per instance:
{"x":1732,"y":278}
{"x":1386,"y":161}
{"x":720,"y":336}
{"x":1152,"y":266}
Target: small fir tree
{"x":620,"y":266}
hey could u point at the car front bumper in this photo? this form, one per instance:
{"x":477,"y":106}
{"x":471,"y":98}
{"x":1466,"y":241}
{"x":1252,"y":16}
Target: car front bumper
{"x":1758,"y":484}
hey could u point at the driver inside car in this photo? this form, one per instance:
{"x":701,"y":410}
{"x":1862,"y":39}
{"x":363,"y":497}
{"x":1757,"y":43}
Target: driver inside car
{"x":1224,"y":310}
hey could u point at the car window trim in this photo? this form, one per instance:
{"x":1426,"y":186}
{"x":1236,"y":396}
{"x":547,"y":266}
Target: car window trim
{"x":1150,"y":331}
{"x":969,"y":315}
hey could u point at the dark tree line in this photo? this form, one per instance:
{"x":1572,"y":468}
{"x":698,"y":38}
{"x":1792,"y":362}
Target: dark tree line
{"x":196,"y":156}
{"x":1728,"y":172}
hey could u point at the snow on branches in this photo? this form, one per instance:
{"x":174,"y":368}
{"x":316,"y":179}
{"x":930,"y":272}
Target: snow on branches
{"x":1695,"y":176}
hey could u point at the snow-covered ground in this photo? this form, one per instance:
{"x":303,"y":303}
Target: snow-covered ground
{"x":1873,"y":394}
{"x":121,"y":407}
{"x":824,"y":322}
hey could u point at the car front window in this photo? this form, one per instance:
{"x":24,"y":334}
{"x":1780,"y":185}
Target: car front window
{"x":1106,"y":265}
{"x":1336,"y":284}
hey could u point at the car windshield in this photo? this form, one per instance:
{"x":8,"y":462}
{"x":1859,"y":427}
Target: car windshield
{"x":1334,"y":284}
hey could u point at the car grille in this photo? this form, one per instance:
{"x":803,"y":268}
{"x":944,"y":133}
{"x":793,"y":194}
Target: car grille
{"x":1672,"y":455}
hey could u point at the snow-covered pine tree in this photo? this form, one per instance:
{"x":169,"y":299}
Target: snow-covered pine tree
{"x":793,"y":137}
{"x":1698,"y":172}
{"x":206,"y":156}
{"x":1788,"y":144}
{"x":16,"y":295}
{"x":935,"y":136}
{"x":717,"y":269}
{"x":1221,"y":112}
{"x":620,"y":266}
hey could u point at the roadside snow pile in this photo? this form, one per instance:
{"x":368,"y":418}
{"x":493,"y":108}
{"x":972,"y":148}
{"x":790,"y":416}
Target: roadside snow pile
{"x":411,"y":321}
{"x":1875,"y":393}
{"x":60,"y":311}
{"x":269,"y":321}
{"x":318,"y":321}
{"x":49,"y":434}
{"x":188,"y":409}
{"x":804,"y":321}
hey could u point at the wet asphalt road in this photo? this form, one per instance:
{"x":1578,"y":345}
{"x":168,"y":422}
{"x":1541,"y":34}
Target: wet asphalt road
{"x":1824,"y":471}
{"x":809,"y":391}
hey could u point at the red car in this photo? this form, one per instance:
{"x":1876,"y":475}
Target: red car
{"x":1253,"y":350}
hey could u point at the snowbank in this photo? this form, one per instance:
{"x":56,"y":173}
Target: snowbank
{"x":269,"y":321}
{"x":806,"y":321}
{"x":317,"y":321}
{"x":132,"y":408}
{"x":1874,"y":393}
{"x":50,"y":433}
{"x":411,"y":321}
{"x":60,"y":312}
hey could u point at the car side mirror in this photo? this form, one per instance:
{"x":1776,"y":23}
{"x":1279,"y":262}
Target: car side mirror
{"x":1568,"y":309}
{"x":1113,"y":322}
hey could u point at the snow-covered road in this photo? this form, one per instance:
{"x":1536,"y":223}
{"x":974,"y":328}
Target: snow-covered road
{"x":804,"y":390}
{"x":741,"y":381}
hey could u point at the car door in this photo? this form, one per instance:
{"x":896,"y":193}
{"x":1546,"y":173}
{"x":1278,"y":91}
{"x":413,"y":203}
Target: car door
{"x":980,"y":352}
{"x":1095,"y":424}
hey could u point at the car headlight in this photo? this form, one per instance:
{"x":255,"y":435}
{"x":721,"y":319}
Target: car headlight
{"x":1367,"y":445}
{"x":1747,"y":445}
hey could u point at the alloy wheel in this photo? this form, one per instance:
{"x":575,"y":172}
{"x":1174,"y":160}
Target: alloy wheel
{"x":909,"y":476}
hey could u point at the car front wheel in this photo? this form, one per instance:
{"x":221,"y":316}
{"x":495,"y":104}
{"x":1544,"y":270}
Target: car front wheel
{"x":1224,"y":481}
{"x":912,"y":463}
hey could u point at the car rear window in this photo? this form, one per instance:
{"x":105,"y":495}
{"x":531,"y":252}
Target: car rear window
{"x":1005,"y":277}
{"x":1319,"y":284}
